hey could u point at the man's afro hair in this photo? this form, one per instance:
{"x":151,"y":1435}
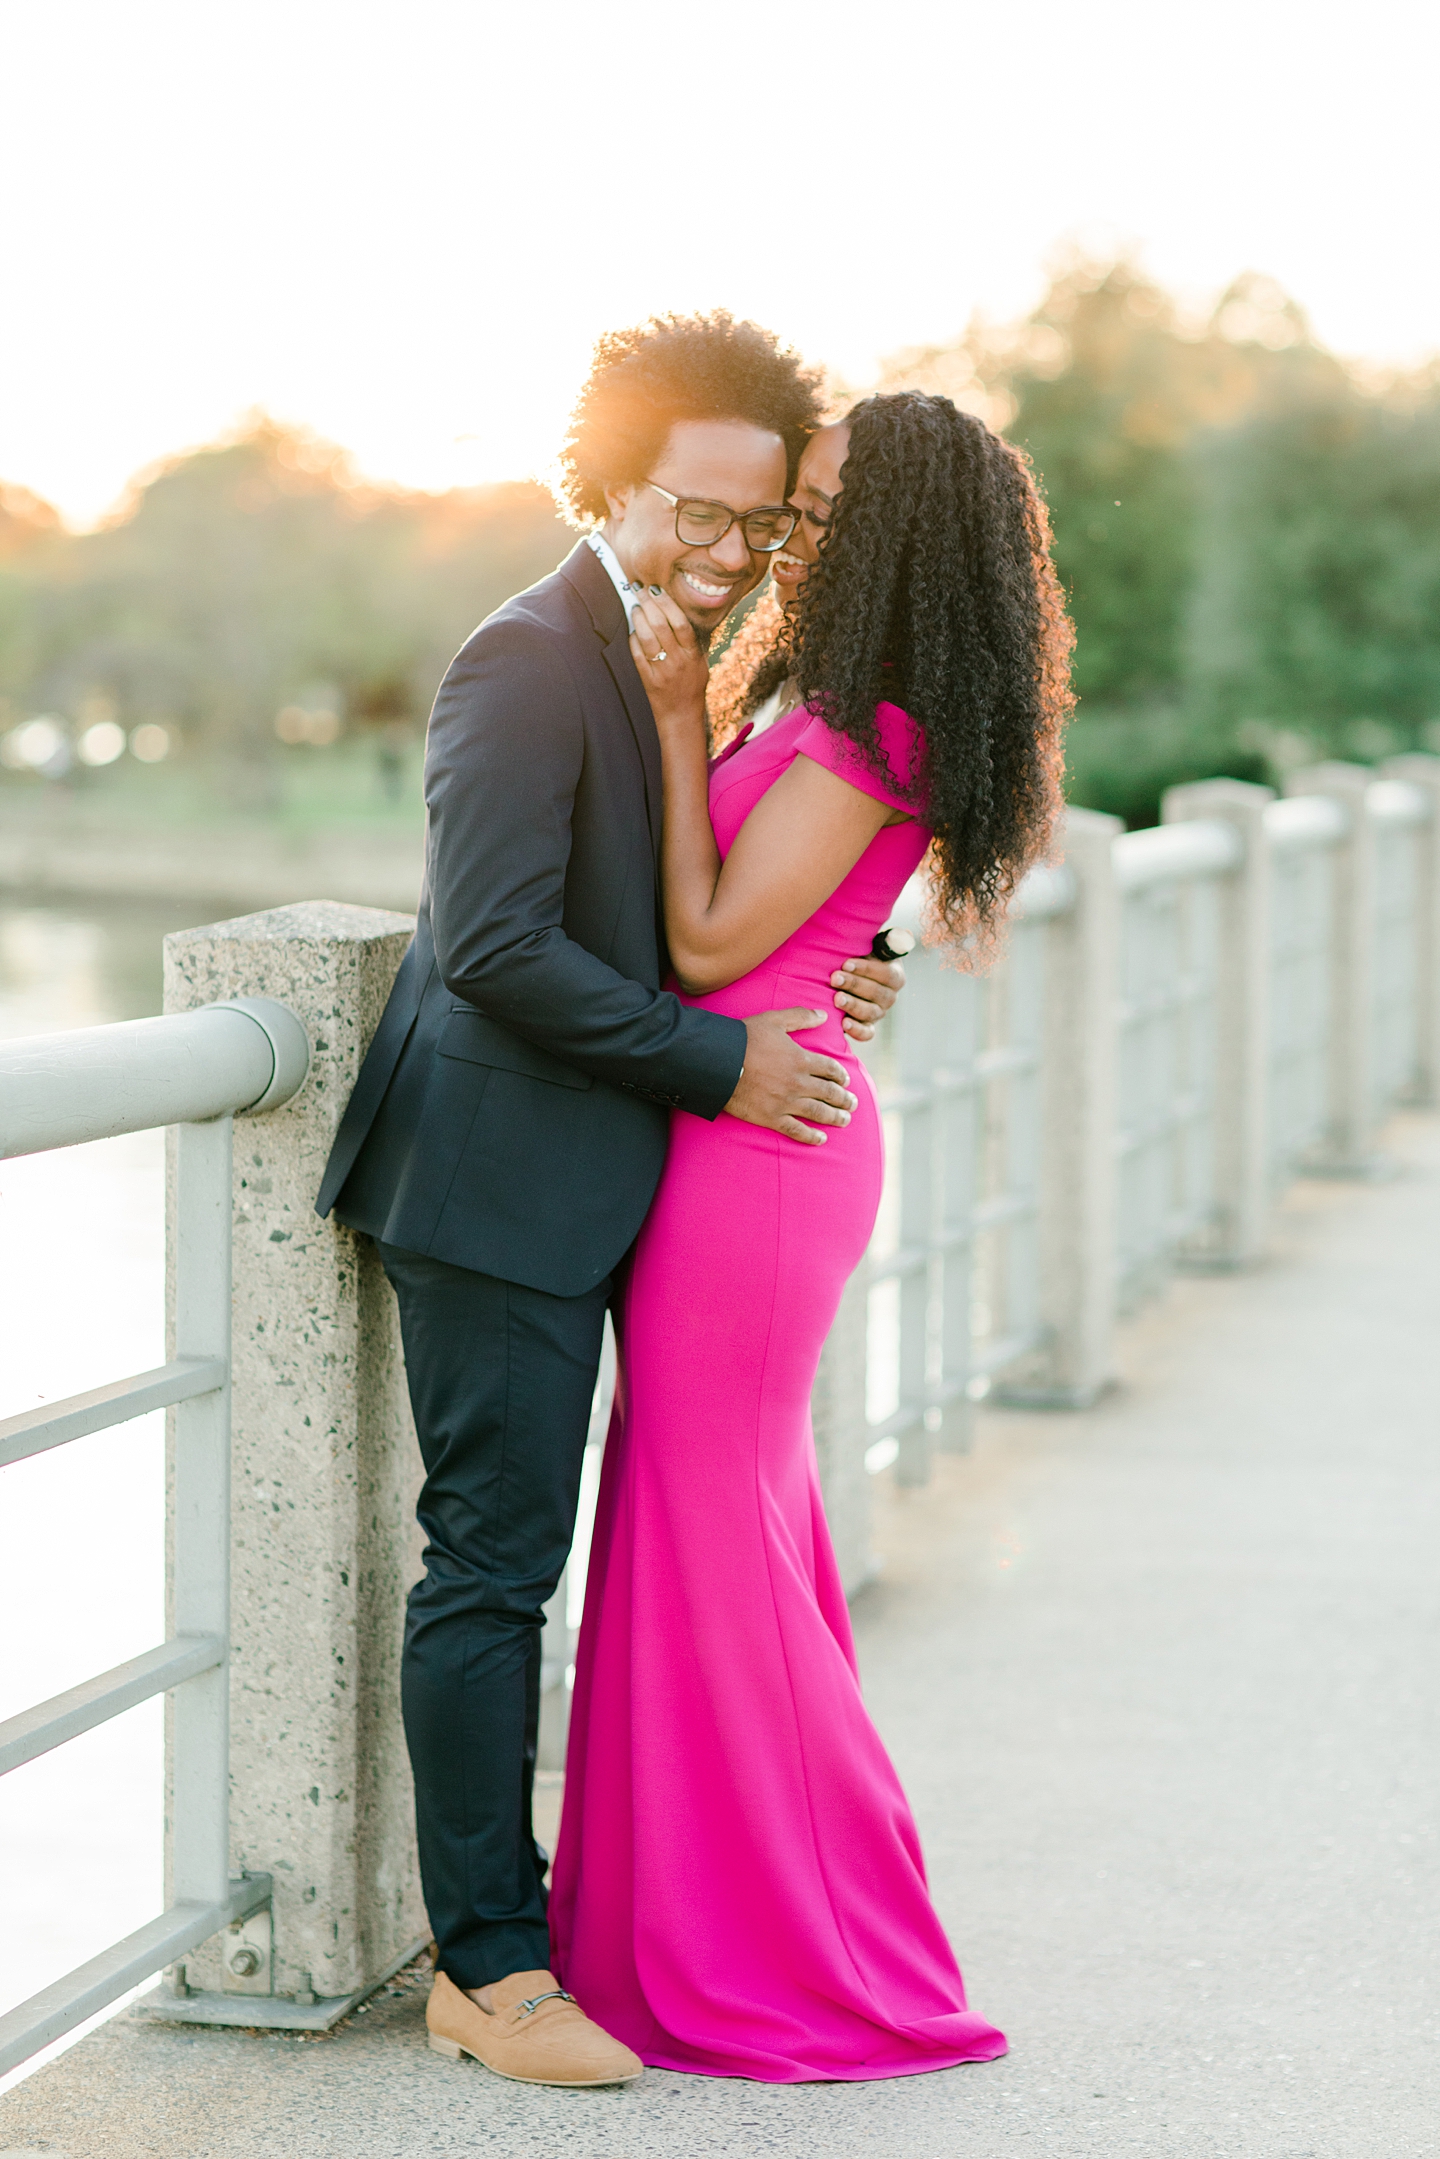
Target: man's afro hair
{"x":678,"y":367}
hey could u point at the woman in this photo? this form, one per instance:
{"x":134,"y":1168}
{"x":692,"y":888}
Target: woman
{"x":738,"y":1887}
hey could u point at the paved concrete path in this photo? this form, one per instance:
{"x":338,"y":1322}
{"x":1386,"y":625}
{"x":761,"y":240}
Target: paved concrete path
{"x":1160,"y":1682}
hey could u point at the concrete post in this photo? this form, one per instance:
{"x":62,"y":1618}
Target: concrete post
{"x":1078,"y":1173}
{"x":1242,"y":1016}
{"x":1349,"y":1144}
{"x":325,"y":1476}
{"x":1424,"y":772}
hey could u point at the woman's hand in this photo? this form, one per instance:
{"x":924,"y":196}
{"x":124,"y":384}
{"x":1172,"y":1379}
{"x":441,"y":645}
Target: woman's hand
{"x":866,"y":989}
{"x":669,"y":662}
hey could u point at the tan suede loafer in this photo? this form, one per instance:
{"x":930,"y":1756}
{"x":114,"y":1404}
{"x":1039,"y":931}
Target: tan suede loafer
{"x":537,"y":2033}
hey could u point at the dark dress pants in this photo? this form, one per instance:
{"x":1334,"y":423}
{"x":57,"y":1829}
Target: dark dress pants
{"x":501,"y":1379}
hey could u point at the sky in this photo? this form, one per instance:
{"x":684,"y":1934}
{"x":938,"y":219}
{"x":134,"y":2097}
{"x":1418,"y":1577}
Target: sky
{"x":404,"y":226}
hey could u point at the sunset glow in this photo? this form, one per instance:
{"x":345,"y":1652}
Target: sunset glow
{"x":405,"y":229}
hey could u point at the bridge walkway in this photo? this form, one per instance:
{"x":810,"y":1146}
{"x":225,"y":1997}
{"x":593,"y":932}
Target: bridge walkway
{"x":1159,"y":1678}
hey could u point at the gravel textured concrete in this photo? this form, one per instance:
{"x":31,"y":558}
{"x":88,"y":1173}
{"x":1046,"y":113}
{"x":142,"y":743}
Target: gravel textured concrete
{"x":1157,"y":1679}
{"x":324,"y":1476}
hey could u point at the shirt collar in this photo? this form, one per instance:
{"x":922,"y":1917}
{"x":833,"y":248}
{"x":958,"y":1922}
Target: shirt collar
{"x":630,"y":594}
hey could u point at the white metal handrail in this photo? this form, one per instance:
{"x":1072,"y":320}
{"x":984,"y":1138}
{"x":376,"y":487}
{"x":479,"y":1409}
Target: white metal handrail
{"x":36,"y":1430}
{"x":1304,"y":821}
{"x":1165,"y":854}
{"x":197,"y":1070}
{"x":95,"y":1082}
{"x":79,"y":1709}
{"x":1396,"y":802}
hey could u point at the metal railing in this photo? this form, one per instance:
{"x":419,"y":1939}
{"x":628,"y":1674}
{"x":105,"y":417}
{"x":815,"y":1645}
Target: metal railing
{"x":1242,"y":994}
{"x":1169,"y":969}
{"x":194,"y":1070}
{"x":953,"y":1269}
{"x":1181,"y":1021}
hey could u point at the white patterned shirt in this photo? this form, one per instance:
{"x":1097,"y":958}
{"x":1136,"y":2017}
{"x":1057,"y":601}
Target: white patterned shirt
{"x":630,"y":594}
{"x":773,"y":709}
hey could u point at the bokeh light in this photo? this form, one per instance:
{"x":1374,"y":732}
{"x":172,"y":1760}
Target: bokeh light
{"x":101,"y":744}
{"x":150,"y":742}
{"x":39,"y":745}
{"x":319,"y":725}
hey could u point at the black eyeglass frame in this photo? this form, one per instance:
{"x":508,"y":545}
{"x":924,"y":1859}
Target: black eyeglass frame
{"x":741,"y":518}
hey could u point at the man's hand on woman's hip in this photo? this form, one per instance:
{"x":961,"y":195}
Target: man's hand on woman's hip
{"x":787,"y":1087}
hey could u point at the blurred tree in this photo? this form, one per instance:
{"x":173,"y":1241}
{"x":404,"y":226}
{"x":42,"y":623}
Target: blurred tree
{"x":237,"y":575}
{"x":1319,"y":606}
{"x":1104,"y":395}
{"x":28,"y":527}
{"x":26,"y":522}
{"x":1249,"y":535}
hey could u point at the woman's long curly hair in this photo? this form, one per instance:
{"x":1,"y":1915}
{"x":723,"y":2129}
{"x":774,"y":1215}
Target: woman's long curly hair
{"x":934,"y":590}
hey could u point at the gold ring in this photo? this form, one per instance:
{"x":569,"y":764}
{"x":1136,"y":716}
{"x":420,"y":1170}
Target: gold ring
{"x":662,"y":655}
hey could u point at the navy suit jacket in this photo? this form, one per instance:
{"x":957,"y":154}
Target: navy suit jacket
{"x":512,"y":1112}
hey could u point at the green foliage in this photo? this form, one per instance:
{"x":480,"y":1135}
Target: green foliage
{"x":1123,"y":760}
{"x":1105,"y":413}
{"x":1248,"y":534}
{"x":1321,"y":593}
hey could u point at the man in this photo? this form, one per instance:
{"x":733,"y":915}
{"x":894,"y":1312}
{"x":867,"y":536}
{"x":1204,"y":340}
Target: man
{"x":508,"y":1127}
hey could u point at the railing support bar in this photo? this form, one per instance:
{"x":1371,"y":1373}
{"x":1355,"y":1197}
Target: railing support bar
{"x":65,"y":1716}
{"x":198,"y":1801}
{"x":37,"y":1430}
{"x":91,"y":1987}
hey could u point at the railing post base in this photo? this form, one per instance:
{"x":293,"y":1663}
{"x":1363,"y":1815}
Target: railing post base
{"x":258,"y":2012}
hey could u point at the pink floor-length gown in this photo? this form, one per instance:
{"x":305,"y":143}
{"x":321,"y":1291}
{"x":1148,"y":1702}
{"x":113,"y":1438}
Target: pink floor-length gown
{"x":738,"y":1888}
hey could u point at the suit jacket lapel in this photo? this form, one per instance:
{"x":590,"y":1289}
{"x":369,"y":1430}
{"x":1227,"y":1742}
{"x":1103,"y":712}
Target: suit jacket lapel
{"x":608,"y":615}
{"x":642,"y":725}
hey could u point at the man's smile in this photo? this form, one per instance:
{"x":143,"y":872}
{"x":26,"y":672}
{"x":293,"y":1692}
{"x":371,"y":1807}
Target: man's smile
{"x":704,"y":589}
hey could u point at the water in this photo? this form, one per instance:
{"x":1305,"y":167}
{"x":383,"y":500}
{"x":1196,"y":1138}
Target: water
{"x":81,"y":1528}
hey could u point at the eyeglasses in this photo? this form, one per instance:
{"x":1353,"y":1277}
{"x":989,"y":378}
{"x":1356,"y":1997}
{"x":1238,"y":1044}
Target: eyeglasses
{"x":700,"y":523}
